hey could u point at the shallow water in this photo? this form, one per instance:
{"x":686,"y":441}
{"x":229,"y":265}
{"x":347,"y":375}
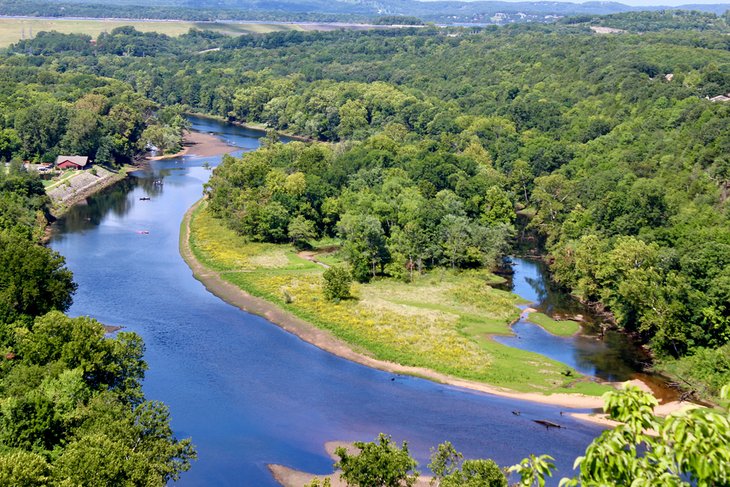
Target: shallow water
{"x":248,"y":393}
{"x":609,"y":356}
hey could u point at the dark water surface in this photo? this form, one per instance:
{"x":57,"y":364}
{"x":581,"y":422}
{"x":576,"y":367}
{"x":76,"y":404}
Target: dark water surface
{"x":606,"y":354}
{"x":248,"y":393}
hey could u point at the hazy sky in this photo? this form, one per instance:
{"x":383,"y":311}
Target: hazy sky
{"x":668,"y":3}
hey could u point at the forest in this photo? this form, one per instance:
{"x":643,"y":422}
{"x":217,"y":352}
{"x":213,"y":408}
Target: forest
{"x":72,"y":410}
{"x":430,"y":148}
{"x":47,"y":113}
{"x":437,"y":140}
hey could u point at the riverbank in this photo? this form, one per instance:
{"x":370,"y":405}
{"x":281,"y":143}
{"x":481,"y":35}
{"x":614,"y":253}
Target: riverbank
{"x":81,"y":185}
{"x":253,"y":126}
{"x":540,"y":379}
{"x":198,"y":144}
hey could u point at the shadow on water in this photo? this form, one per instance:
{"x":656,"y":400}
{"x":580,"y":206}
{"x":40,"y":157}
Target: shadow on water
{"x":246,"y":391}
{"x":89,"y":214}
{"x":595,"y":351}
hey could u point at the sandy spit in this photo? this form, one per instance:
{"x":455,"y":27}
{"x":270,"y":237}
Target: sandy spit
{"x":199,"y":144}
{"x":662,"y":410}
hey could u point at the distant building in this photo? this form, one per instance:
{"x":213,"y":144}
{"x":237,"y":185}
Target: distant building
{"x":721,"y":98}
{"x":71,"y":162}
{"x":669,"y":76}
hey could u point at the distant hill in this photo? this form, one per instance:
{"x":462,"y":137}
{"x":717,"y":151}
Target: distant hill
{"x":487,"y":12}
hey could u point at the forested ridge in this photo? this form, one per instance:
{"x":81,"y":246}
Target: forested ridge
{"x":450,"y":12}
{"x":655,"y":21}
{"x":607,"y":143}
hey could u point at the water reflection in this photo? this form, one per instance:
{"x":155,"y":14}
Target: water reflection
{"x":607,"y":355}
{"x":89,"y":214}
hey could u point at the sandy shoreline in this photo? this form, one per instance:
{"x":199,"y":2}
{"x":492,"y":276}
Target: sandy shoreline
{"x":661,"y":410}
{"x":326,"y":341}
{"x":199,"y":144}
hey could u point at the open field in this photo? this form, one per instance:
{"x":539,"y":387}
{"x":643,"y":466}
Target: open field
{"x":443,"y":321}
{"x":12,"y":29}
{"x":560,"y":328}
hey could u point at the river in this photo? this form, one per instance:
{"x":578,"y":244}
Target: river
{"x":248,"y":393}
{"x":611,"y":357}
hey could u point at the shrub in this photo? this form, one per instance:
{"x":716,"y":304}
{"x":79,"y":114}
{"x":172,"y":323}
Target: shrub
{"x":337,"y":282}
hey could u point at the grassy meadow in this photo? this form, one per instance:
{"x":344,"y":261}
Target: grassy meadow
{"x":11,"y":30}
{"x":443,"y":321}
{"x":564,"y":328}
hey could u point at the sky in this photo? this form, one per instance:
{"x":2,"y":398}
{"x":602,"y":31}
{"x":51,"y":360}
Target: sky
{"x":654,"y":3}
{"x":640,"y":3}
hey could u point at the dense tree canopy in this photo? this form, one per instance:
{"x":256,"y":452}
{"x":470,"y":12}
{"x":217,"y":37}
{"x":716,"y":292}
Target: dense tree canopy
{"x":605,"y":145}
{"x":33,"y":279}
{"x":72,"y":411}
{"x":394,"y":214}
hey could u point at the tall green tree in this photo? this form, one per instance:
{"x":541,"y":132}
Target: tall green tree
{"x":377,"y":464}
{"x":33,"y":279}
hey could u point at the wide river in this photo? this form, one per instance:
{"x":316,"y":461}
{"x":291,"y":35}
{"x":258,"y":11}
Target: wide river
{"x":248,"y":393}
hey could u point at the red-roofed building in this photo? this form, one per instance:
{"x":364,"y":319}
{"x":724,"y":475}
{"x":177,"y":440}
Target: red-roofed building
{"x":71,"y":162}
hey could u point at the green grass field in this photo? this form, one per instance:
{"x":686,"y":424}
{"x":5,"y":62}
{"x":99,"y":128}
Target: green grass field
{"x":442,"y":321}
{"x":11,"y":30}
{"x":560,"y":328}
{"x":58,"y":180}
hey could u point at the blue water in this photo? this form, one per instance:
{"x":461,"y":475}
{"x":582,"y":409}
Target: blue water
{"x":248,"y":393}
{"x":608,"y":357}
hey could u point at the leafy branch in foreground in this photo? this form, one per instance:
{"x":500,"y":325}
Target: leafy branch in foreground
{"x":382,"y":463}
{"x":690,"y":447}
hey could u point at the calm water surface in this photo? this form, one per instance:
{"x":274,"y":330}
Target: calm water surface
{"x":611,"y":356}
{"x":248,"y":393}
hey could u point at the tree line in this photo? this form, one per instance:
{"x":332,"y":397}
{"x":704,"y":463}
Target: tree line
{"x":399,"y":204}
{"x":620,"y":168}
{"x":46,"y":113}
